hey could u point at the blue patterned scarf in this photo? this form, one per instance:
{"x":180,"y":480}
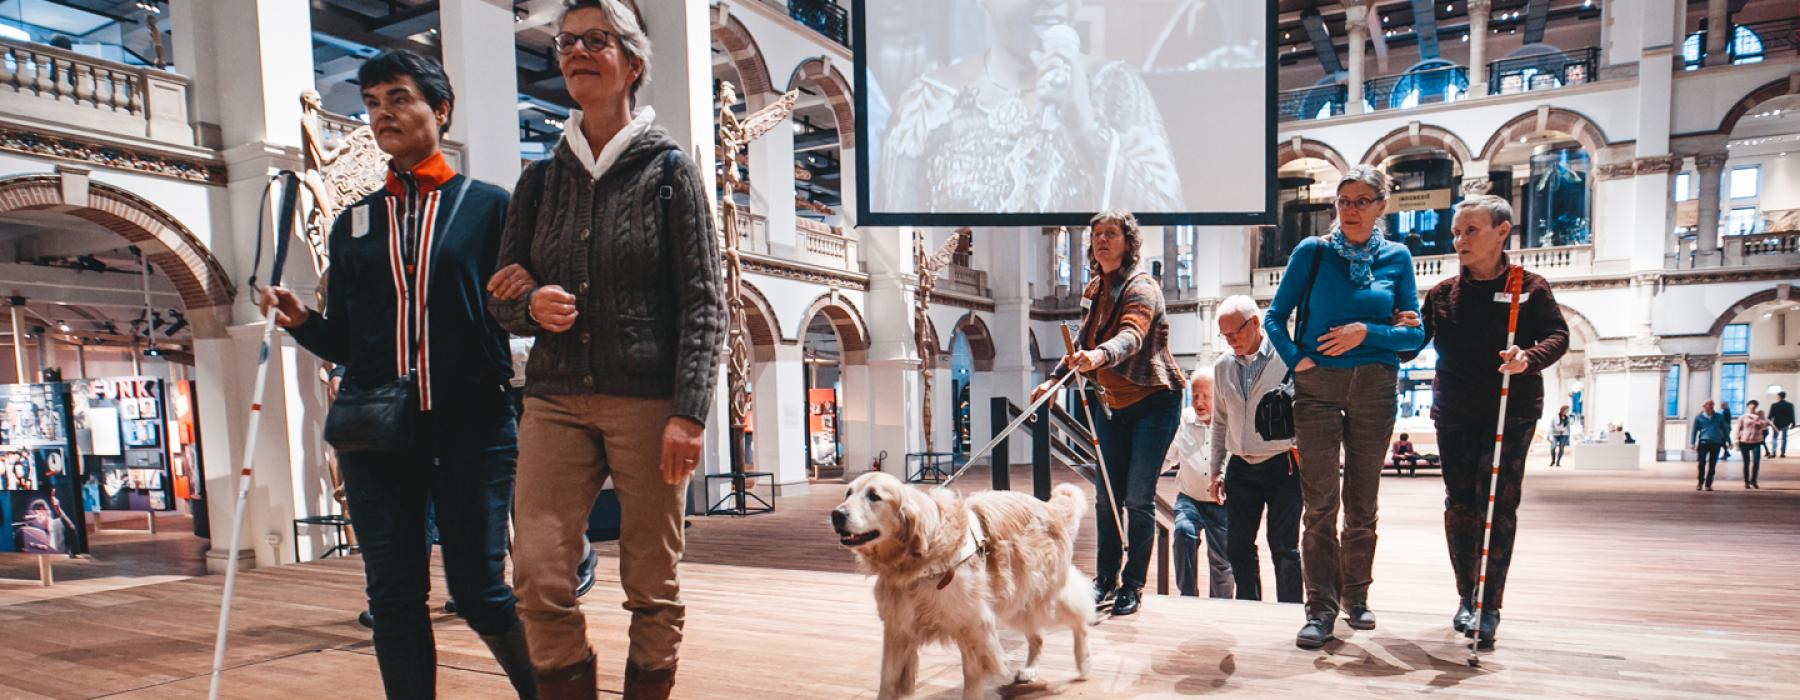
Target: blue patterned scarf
{"x":1361,"y":258}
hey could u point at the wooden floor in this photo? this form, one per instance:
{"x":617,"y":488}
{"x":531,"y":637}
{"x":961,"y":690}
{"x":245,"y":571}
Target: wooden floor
{"x":1624,"y":585}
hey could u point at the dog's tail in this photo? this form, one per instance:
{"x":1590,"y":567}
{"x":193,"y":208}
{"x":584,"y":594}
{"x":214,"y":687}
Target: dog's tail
{"x":1069,"y":505}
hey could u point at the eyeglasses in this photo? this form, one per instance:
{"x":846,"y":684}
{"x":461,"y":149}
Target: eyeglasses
{"x":594,"y":40}
{"x":1358,"y":203}
{"x":1240,"y":329}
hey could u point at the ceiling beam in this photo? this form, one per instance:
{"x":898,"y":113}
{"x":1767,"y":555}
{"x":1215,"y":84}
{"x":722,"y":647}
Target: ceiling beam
{"x":1425,"y":27}
{"x":1321,"y":41}
{"x":1537,"y":16}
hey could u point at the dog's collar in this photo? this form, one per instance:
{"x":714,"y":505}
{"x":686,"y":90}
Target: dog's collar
{"x":974,"y":543}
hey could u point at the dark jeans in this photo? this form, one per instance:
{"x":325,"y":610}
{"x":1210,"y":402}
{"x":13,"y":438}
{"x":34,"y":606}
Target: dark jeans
{"x":1468,"y":451}
{"x":1778,"y":437}
{"x":1133,"y":443}
{"x":462,"y":466}
{"x":1350,"y":410}
{"x":1752,"y":460}
{"x":1191,"y":519}
{"x":1249,"y":488}
{"x":1558,"y":445}
{"x":1709,"y":462}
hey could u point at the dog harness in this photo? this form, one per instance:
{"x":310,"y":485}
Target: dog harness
{"x":974,"y":543}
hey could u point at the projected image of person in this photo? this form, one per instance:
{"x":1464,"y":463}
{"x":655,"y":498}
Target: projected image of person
{"x":1029,"y":124}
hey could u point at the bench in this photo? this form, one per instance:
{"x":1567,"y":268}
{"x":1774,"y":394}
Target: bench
{"x":1412,"y":465}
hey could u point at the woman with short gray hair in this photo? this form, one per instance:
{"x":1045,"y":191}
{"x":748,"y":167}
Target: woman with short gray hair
{"x":612,"y":263}
{"x":1348,"y":287}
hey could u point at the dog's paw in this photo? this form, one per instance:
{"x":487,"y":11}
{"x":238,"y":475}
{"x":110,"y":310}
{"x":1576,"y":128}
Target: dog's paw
{"x":1081,"y":668}
{"x":1029,"y":674}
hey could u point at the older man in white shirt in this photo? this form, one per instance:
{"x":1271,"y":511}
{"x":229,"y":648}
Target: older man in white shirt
{"x":1260,"y":474}
{"x":1197,"y":507}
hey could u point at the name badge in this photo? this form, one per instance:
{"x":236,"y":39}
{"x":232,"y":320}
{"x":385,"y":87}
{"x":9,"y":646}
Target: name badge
{"x":1086,"y":303}
{"x":1505,"y":298}
{"x":359,"y":221}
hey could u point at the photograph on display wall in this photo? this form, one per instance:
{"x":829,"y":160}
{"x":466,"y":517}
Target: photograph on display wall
{"x":38,"y":524}
{"x":124,"y":446}
{"x":18,"y":469}
{"x":184,"y":441}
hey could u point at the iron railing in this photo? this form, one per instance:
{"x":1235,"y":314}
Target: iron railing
{"x":1511,"y":76}
{"x":1315,"y":102}
{"x":824,"y":16}
{"x":1412,"y":89}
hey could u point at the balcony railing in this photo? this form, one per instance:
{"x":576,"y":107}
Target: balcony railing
{"x":1775,"y":37}
{"x":824,"y":16}
{"x":1316,"y":102}
{"x":1560,"y":262}
{"x":826,"y":245}
{"x":966,"y":280}
{"x":1407,"y":90}
{"x":76,"y":90}
{"x":1511,"y":76}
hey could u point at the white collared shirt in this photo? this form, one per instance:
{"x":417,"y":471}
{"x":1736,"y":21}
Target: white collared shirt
{"x":598,"y":164}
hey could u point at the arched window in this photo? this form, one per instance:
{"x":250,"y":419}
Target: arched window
{"x":1745,"y":47}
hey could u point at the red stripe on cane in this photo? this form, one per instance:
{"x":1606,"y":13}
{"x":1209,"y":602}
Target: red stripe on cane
{"x":1484,"y":551}
{"x":256,"y":407}
{"x":245,"y":472}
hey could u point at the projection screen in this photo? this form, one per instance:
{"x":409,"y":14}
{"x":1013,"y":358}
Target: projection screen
{"x":1041,"y":112}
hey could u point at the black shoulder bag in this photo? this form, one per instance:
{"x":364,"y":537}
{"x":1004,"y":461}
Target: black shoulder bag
{"x":1275,"y":411}
{"x":380,"y":418}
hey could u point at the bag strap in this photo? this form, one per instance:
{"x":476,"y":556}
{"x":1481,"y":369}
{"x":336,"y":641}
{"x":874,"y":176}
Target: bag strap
{"x":1305,"y":308}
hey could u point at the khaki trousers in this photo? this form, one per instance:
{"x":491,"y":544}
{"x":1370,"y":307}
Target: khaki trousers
{"x":568,"y":446}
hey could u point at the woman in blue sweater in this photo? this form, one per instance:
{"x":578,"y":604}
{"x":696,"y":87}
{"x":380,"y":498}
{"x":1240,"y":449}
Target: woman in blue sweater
{"x":1346,"y":357}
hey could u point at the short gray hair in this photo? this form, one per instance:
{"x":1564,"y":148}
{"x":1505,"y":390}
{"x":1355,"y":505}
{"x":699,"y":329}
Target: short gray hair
{"x":1497,"y":208}
{"x":1239,"y":305}
{"x":1376,"y":180}
{"x":627,"y":28}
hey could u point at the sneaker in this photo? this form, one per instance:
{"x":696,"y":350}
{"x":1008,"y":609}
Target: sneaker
{"x":584,"y":574}
{"x":1126,"y":602}
{"x":1465,"y":616}
{"x":1359,"y":617}
{"x":366,"y":619}
{"x":1315,"y":634}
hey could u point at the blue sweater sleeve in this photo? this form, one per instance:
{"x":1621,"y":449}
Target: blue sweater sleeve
{"x":1287,"y":296}
{"x":1406,"y":298}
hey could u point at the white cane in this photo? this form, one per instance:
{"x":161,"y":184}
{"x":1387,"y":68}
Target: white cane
{"x":284,"y":230}
{"x":1112,"y":502}
{"x":1514,"y":280}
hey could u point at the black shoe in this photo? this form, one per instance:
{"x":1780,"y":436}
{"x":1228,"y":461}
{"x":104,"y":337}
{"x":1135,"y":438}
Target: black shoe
{"x":1103,"y":594}
{"x":1359,"y":617}
{"x":584,"y":574}
{"x":1490,"y":621}
{"x":366,"y":619}
{"x":1465,"y":616}
{"x":1709,"y":488}
{"x":1315,"y":634}
{"x":450,"y":606}
{"x":1126,"y":602}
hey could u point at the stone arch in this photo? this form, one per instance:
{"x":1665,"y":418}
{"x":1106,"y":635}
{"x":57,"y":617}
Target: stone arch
{"x":1580,"y":328}
{"x":745,"y":55}
{"x":1731,"y":313}
{"x":853,"y":335}
{"x":838,"y":94}
{"x":201,"y":281}
{"x":762,"y":325}
{"x":981,"y":341}
{"x":1789,"y":85}
{"x":1416,"y":135}
{"x":1299,"y":147}
{"x":1570,"y":122}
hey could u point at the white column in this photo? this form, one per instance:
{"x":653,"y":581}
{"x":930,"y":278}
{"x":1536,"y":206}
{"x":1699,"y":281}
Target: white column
{"x":1710,"y":168}
{"x":1171,"y":261}
{"x":477,"y":39}
{"x":1010,"y":326}
{"x":772,"y":184}
{"x":1718,"y":31}
{"x":856,"y":404}
{"x":680,"y":85}
{"x":1356,"y":25}
{"x":1699,"y":383}
{"x":258,"y":54}
{"x":1671,"y":240}
{"x":895,"y":424}
{"x":780,"y":416}
{"x":1478,"y":34}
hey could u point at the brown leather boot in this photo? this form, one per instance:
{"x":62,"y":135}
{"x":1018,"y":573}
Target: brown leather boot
{"x":573,"y":682}
{"x":648,"y":685}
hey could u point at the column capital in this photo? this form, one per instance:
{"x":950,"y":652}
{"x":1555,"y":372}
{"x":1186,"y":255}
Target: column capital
{"x":1657,"y":165}
{"x":1711,"y":162}
{"x":1479,"y":7}
{"x":1700,"y":363}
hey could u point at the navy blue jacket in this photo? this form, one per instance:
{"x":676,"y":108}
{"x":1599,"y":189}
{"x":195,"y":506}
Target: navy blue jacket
{"x":1711,"y":429}
{"x":461,"y":348}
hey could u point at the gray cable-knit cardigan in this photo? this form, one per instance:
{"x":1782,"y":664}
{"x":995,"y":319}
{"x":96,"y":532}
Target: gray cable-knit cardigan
{"x":650,"y":302}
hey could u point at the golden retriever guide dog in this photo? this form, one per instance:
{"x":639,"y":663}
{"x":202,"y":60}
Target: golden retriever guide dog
{"x":952,"y":569}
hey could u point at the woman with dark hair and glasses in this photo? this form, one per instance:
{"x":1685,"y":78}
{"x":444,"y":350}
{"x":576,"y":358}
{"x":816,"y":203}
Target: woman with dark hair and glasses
{"x":1346,"y":361}
{"x":404,"y":299}
{"x":612,"y":262}
{"x":1124,"y":348}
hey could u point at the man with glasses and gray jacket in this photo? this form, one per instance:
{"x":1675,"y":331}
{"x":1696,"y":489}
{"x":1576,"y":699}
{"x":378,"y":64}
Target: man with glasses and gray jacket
{"x":1260,"y":474}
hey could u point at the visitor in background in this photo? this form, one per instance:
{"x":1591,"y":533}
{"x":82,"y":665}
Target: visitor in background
{"x":1752,"y":428}
{"x":1781,"y":417}
{"x":1404,"y":453}
{"x":1707,"y":436}
{"x":1559,"y":435}
{"x":1197,"y":504}
{"x":1259,"y":473}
